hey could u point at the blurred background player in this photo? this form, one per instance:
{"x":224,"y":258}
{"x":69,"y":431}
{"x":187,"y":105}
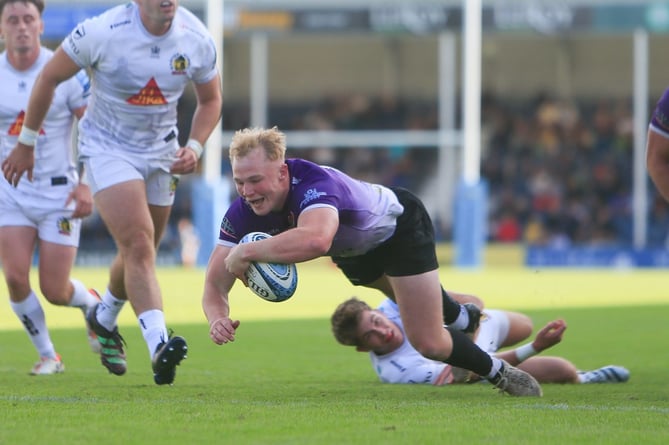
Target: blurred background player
{"x":141,"y":55}
{"x":381,"y":333}
{"x":657,"y":146}
{"x":46,"y":212}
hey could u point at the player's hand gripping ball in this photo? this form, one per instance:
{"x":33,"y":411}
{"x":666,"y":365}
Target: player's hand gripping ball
{"x":270,"y":281}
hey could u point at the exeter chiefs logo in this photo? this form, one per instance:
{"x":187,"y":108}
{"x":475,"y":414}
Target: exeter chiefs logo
{"x":174,"y":182}
{"x":64,"y":226}
{"x":179,"y":63}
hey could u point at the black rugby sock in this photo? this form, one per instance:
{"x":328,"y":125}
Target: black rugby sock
{"x":451,"y":308}
{"x":467,"y":355}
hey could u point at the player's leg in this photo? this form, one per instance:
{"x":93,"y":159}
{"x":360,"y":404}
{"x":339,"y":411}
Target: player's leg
{"x":55,"y":267}
{"x":548,"y":369}
{"x":152,"y":319}
{"x":106,"y":169}
{"x":114,"y":297}
{"x":419,"y":300}
{"x":420,"y":304}
{"x":166,"y":351}
{"x":17,"y":244}
{"x":135,"y":231}
{"x":520,"y":328}
{"x":16,"y":250}
{"x":411,"y":251}
{"x":121,"y":184}
{"x":124,"y":209}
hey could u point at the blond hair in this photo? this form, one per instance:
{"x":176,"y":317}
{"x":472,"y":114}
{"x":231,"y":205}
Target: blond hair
{"x":271,"y":140}
{"x":345,"y":320}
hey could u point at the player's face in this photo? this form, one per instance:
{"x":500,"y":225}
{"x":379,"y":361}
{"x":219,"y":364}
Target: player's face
{"x":261,"y":182}
{"x":377,"y":333}
{"x":157,"y":15}
{"x":21,"y":26}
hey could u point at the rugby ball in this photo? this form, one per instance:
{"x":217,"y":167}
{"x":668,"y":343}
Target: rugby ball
{"x":274,"y":282}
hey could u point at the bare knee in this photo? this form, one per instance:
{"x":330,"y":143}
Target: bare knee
{"x":567,"y":372}
{"x":18,"y":286}
{"x":138,"y":247}
{"x":432,"y":348}
{"x":59,"y":294}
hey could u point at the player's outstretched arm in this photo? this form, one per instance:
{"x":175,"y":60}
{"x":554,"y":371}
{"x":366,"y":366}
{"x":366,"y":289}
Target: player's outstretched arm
{"x":215,"y":302}
{"x":548,"y":336}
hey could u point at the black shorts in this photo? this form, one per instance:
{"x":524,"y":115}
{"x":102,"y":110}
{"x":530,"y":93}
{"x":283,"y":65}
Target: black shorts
{"x":409,"y":251}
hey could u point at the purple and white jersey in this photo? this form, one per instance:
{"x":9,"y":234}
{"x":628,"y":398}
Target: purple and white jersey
{"x":659,"y":123}
{"x":367,"y":212}
{"x":406,"y":365}
{"x":137,"y":78}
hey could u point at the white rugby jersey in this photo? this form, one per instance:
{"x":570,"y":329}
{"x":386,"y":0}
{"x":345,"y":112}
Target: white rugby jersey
{"x":137,"y":78}
{"x":406,"y":365}
{"x":54,"y":155}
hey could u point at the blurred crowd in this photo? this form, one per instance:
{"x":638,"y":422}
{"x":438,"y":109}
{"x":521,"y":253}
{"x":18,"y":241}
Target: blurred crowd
{"x":559,"y":172}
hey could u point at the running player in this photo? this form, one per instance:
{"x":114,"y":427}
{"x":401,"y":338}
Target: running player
{"x":46,"y":212}
{"x":141,"y":56}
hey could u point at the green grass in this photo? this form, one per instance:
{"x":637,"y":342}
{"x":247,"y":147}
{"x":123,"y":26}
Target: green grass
{"x":286,"y":381}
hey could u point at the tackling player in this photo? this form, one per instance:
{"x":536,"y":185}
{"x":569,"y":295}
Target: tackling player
{"x":381,"y":333}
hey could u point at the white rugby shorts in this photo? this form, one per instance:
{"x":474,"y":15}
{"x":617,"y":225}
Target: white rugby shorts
{"x":112,"y":167}
{"x":41,"y":204}
{"x":494,"y":329}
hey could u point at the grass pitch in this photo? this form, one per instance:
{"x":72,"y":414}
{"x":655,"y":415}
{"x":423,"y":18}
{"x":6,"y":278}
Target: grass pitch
{"x":286,"y":381}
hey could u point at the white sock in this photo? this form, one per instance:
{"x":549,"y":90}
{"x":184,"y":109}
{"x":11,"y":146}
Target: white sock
{"x":605,"y":374}
{"x":31,"y":314}
{"x":152,"y":323}
{"x":109,"y":309}
{"x":81,"y":297}
{"x":462,"y":321}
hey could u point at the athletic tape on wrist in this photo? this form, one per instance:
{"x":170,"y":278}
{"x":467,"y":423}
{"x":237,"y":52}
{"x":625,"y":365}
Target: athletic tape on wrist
{"x":196,"y":146}
{"x":524,"y":352}
{"x":28,"y":136}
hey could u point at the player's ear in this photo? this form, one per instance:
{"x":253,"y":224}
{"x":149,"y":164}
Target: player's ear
{"x":283,"y":171}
